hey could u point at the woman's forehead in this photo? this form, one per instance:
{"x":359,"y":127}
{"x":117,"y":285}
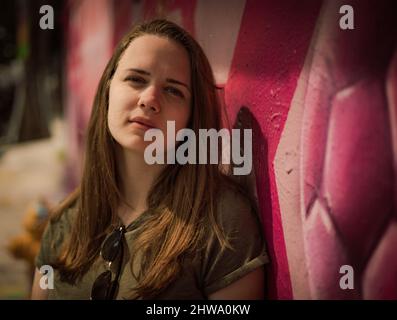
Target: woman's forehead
{"x":158,"y":54}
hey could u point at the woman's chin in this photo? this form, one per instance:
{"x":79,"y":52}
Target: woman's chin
{"x":135,"y":144}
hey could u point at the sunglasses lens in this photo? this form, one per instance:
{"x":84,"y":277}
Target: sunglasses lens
{"x":114,"y":288}
{"x":112,"y":245}
{"x":101,"y":286}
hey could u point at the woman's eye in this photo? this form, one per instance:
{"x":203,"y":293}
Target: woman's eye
{"x":175,"y":91}
{"x":137,"y":80}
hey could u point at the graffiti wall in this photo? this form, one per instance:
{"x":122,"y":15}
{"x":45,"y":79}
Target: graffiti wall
{"x":321,"y":101}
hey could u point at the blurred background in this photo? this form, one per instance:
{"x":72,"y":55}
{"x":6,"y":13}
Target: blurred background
{"x":321,"y":102}
{"x":32,"y":141}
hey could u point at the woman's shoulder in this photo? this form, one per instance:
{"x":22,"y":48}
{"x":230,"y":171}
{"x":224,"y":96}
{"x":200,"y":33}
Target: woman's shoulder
{"x":63,"y":219}
{"x":236,"y":207}
{"x":55,"y":233}
{"x":241,"y":225}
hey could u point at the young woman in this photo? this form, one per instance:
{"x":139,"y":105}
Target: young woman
{"x":133,"y":230}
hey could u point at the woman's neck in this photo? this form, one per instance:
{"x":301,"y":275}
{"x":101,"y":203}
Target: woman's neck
{"x":136,"y":178}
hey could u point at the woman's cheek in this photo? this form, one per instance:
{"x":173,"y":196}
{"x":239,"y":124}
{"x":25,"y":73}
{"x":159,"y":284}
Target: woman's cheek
{"x":184,"y":117}
{"x":114,"y":120}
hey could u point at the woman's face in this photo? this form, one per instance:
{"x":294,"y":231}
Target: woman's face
{"x":151,"y":86}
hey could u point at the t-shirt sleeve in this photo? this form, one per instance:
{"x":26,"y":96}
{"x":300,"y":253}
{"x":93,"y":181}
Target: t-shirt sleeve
{"x":52,"y":240}
{"x":242,"y":226}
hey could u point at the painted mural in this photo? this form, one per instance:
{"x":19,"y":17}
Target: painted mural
{"x":321,"y":101}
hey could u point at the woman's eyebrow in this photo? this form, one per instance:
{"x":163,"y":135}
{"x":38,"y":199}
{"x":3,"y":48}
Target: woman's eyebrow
{"x":146,"y":73}
{"x":139,"y":71}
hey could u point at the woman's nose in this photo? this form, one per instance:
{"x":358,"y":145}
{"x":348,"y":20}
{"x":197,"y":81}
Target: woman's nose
{"x":149,"y":99}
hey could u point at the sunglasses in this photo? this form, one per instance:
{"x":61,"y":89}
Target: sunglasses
{"x":104,"y":288}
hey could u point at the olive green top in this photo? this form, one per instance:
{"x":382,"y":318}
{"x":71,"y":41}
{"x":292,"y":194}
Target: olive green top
{"x":201,"y":275}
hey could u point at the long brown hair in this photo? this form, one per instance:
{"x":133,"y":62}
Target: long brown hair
{"x":183,"y":200}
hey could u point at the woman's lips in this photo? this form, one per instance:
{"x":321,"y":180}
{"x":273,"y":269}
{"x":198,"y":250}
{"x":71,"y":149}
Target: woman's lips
{"x":140,"y":125}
